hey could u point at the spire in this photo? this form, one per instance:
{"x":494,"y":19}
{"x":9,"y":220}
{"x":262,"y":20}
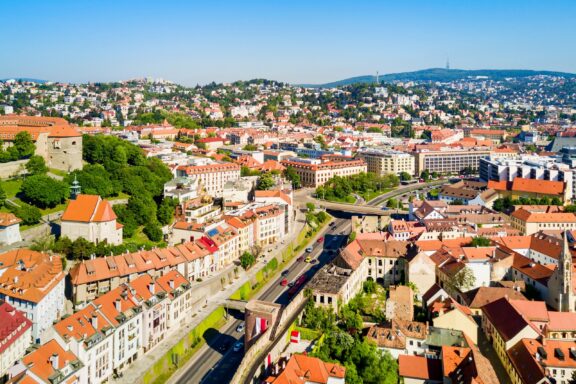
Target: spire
{"x":447,"y":63}
{"x":566,"y":255}
{"x":75,"y":189}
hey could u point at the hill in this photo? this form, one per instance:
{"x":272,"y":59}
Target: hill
{"x":442,"y":75}
{"x":25,"y":79}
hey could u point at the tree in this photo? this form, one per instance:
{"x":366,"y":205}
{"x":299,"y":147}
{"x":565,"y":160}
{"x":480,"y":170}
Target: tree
{"x":247,"y":260}
{"x":405,"y":176}
{"x":310,"y":207}
{"x":266,"y":181}
{"x":457,"y":202}
{"x":153,"y":231}
{"x":36,"y":165}
{"x":166,"y":210}
{"x":82,"y":249}
{"x":425,"y":175}
{"x":291,"y":175}
{"x":480,"y":241}
{"x":369,"y":286}
{"x":29,"y":214}
{"x":43,"y":191}
{"x":392,"y":203}
{"x":24,"y":145}
{"x":463,"y":280}
{"x":250,"y":147}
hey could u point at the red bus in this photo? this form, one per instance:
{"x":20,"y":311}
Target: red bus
{"x":297,"y":284}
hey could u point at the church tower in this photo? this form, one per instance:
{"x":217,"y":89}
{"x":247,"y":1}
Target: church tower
{"x":560,"y":289}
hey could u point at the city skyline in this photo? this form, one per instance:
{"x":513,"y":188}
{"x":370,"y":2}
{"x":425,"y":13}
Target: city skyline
{"x":296,"y":43}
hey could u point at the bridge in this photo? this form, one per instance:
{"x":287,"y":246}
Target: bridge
{"x":359,"y":209}
{"x":239,"y":305}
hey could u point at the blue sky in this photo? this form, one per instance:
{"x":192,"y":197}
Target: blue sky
{"x":296,"y":41}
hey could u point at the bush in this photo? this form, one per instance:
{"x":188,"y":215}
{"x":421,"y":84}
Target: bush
{"x":30,"y":215}
{"x":36,"y":165}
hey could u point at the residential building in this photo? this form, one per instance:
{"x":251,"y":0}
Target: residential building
{"x":449,"y":160}
{"x":314,"y":173}
{"x":497,"y":136}
{"x":91,"y":218}
{"x":531,"y":188}
{"x":33,"y":283}
{"x":303,"y":369}
{"x":530,"y":222}
{"x":334,"y":285}
{"x":15,"y":336}
{"x":212,"y":176}
{"x":383,"y":162}
{"x":448,"y":314}
{"x":399,"y":337}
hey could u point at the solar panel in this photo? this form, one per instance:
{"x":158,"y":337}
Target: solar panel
{"x":212,"y":232}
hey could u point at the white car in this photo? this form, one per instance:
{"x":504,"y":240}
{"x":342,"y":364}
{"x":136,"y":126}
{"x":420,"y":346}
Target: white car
{"x":240,"y":327}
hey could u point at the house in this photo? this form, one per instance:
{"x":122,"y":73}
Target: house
{"x":399,"y":337}
{"x":9,"y":228}
{"x":334,"y":285}
{"x":50,"y":363}
{"x":302,"y":369}
{"x":420,"y":370}
{"x":33,"y":283}
{"x":421,"y":273}
{"x":448,"y":314}
{"x":481,"y":296}
{"x":15,"y":336}
{"x":92,"y":218}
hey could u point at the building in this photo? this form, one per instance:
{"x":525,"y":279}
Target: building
{"x":448,"y":314}
{"x":314,"y":173}
{"x":532,"y":189}
{"x":448,"y":160}
{"x":15,"y":336}
{"x":33,"y":283}
{"x":9,"y":228}
{"x":58,"y":142}
{"x":561,"y":295}
{"x":530,"y":222}
{"x":497,"y":136}
{"x":50,"y":363}
{"x":92,"y":218}
{"x":303,"y":369}
{"x":212,"y":176}
{"x":332,"y":285}
{"x":399,"y":337}
{"x":384,"y":162}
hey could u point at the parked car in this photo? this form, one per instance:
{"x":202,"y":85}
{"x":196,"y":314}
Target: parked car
{"x":309,"y":249}
{"x":238,"y":346}
{"x":301,"y":258}
{"x":313,"y":261}
{"x":320,"y":240}
{"x":284,"y":282}
{"x":285,"y":272}
{"x":240,"y":327}
{"x":308,"y":259}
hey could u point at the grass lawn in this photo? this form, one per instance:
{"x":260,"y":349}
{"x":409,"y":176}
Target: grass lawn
{"x":120,"y":196}
{"x":348,"y":199}
{"x":373,"y":194}
{"x":11,"y":187}
{"x":58,"y":172}
{"x":139,"y":238}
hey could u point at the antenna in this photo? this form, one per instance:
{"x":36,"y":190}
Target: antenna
{"x":447,"y":63}
{"x":377,"y":77}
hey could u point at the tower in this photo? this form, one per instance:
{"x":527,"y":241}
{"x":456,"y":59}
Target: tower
{"x":75,"y":189}
{"x":377,"y":78}
{"x":447,"y":63}
{"x":560,"y":288}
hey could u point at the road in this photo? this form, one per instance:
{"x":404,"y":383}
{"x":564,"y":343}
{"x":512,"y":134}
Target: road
{"x":212,"y":363}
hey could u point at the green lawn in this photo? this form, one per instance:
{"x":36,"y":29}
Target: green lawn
{"x":120,"y":196}
{"x":373,"y":194}
{"x":139,"y":238}
{"x":58,"y":172}
{"x":11,"y":187}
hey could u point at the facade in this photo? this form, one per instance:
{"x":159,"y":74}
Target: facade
{"x":314,"y":173}
{"x":561,"y":295}
{"x":449,"y":161}
{"x":15,"y":336}
{"x":9,"y":228}
{"x":92,"y":218}
{"x":212,"y":176}
{"x":33,"y":283}
{"x":529,"y":222}
{"x":58,"y":142}
{"x":384,"y":162}
{"x":333,"y":286}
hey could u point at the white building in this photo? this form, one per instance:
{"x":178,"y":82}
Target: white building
{"x":212,"y":176}
{"x":9,"y":228}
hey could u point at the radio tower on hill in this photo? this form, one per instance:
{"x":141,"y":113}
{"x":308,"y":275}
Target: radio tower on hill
{"x":447,"y":63}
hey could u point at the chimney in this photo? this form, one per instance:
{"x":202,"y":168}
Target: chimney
{"x":118,"y":305}
{"x":151,"y":287}
{"x":171,"y":283}
{"x":54,"y":360}
{"x":94,"y":321}
{"x":15,"y":279}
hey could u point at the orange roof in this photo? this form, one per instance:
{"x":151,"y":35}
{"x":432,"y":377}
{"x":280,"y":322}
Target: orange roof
{"x":302,"y":369}
{"x":88,"y":209}
{"x":546,"y":187}
{"x":419,"y":367}
{"x":539,"y":217}
{"x":29,"y":275}
{"x":39,"y":361}
{"x":273,"y":193}
{"x":7,"y":219}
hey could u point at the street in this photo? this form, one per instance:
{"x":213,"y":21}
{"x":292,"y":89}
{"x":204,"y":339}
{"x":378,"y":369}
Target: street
{"x":210,"y":364}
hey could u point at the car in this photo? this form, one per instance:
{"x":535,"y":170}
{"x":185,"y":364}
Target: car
{"x":313,"y":261}
{"x":308,"y":259}
{"x":285,"y":272}
{"x":301,"y":258}
{"x":284,"y":282}
{"x":309,"y":249}
{"x":320,"y":240}
{"x":238,"y":346}
{"x":291,"y":284}
{"x":240,"y":327}
{"x":224,"y":346}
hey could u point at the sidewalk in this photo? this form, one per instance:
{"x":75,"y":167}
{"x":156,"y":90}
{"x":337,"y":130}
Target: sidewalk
{"x":133,"y":374}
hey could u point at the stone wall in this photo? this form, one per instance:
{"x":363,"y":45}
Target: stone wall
{"x":12,"y":168}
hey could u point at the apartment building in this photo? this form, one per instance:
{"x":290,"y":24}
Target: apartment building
{"x":497,"y":136}
{"x":449,"y":160}
{"x":212,"y":176}
{"x":314,"y":173}
{"x":530,"y":222}
{"x":33,"y":283}
{"x":15,"y":336}
{"x":383,"y":162}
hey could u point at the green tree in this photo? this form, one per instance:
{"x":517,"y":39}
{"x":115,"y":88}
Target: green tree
{"x":310,"y":207}
{"x":291,"y":175}
{"x":405,"y":176}
{"x":250,"y":147}
{"x":2,"y":196}
{"x":247,"y":260}
{"x":425,"y":175}
{"x":462,"y":281}
{"x":166,"y":210}
{"x":480,"y":241}
{"x":266,"y":181}
{"x":82,"y":249}
{"x":29,"y":214}
{"x":36,"y":165}
{"x":153,"y":231}
{"x":24,"y":145}
{"x":43,"y":191}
